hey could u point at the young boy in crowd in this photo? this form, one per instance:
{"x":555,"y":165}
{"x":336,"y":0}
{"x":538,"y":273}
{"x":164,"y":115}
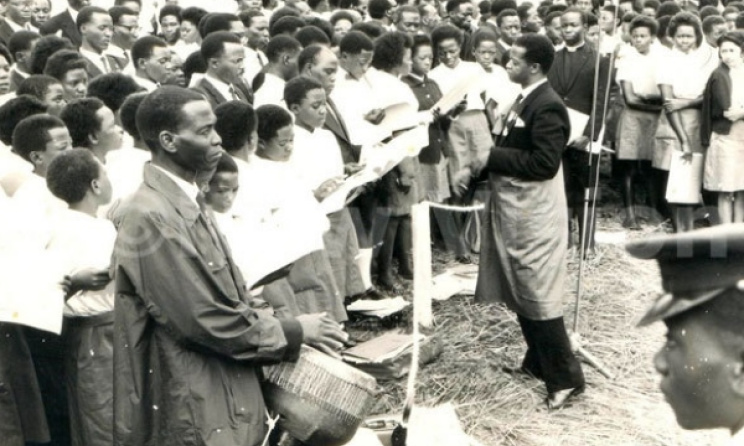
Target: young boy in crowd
{"x":311,"y":277}
{"x":82,"y":245}
{"x":39,"y":139}
{"x":499,"y":92}
{"x":14,"y":169}
{"x":125,"y":165}
{"x":219,"y":196}
{"x":47,"y":89}
{"x":317,"y":160}
{"x":92,"y":126}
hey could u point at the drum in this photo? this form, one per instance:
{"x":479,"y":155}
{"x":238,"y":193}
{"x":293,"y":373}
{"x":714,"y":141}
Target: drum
{"x":321,"y":400}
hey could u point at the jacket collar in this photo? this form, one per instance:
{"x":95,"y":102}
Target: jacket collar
{"x":156,"y":179}
{"x":531,"y":95}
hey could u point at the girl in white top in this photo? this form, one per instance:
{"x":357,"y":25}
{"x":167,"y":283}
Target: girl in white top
{"x":682,"y":79}
{"x":640,"y":115}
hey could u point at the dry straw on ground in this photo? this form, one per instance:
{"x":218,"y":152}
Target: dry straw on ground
{"x":498,"y":409}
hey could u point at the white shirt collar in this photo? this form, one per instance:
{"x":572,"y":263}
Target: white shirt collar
{"x":526,"y":91}
{"x":20,"y":72}
{"x":94,"y":58}
{"x":221,"y":86}
{"x":504,"y":44}
{"x":147,"y":84}
{"x":190,"y":189}
{"x":18,"y":27}
{"x":571,"y":49}
{"x":73,"y":14}
{"x":115,"y":50}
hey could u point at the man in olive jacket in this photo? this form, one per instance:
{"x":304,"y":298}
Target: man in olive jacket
{"x":187,"y":342}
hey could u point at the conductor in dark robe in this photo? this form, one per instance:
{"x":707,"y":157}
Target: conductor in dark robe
{"x":524,"y":235}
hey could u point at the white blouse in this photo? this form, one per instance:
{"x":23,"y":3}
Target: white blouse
{"x":688,"y":73}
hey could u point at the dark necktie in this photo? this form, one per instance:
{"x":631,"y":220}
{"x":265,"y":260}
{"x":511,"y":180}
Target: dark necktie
{"x":511,"y":118}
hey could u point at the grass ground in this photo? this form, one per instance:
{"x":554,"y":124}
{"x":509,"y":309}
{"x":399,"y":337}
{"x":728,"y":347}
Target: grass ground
{"x":499,"y":409}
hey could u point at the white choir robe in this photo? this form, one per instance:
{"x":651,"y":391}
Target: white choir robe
{"x":78,"y":242}
{"x":274,"y":220}
{"x":316,"y":157}
{"x":40,"y":208}
{"x":124,"y":167}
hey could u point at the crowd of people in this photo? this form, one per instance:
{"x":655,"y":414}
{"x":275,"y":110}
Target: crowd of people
{"x":178,"y":173}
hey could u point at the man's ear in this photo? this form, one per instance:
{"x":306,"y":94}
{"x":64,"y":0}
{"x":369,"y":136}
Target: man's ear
{"x":167,"y":141}
{"x":93,"y":138}
{"x":95,"y":186}
{"x":294,"y":108}
{"x":36,"y":158}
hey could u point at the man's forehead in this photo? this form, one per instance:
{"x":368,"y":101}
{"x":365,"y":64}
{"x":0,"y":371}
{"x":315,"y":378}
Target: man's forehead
{"x":100,"y":17}
{"x":259,"y":21}
{"x":233,"y":48}
{"x":326,"y":57}
{"x":571,"y":17}
{"x":197,"y":113}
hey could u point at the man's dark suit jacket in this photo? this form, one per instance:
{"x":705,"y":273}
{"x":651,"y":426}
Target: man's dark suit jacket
{"x":63,"y":21}
{"x":15,"y":80}
{"x":5,"y":32}
{"x":216,"y":98}
{"x":533,"y":148}
{"x":577,"y":88}
{"x":349,"y":152}
{"x":93,"y":71}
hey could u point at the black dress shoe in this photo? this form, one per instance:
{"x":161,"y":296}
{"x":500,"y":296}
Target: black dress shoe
{"x":558,"y":399}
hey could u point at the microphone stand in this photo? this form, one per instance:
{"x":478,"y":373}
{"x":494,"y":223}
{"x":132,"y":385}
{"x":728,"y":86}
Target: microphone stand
{"x":590,"y":217}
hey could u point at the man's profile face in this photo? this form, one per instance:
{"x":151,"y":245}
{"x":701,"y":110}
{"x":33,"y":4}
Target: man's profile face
{"x":230,"y":64}
{"x":197,"y":144}
{"x":258,"y":33}
{"x":518,"y":68}
{"x":98,"y":31}
{"x":324,"y":69}
{"x":357,"y":64}
{"x":75,"y":83}
{"x":159,"y":66}
{"x":126,"y":30}
{"x":695,"y":371}
{"x":409,"y":23}
{"x":553,"y":31}
{"x":715,"y":33}
{"x":462,"y":17}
